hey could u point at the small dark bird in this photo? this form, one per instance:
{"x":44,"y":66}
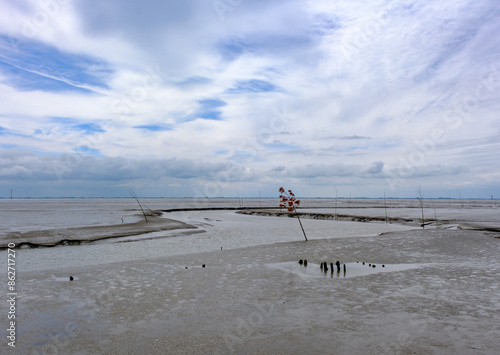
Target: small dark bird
{"x":71,"y":278}
{"x":203,"y":265}
{"x":301,"y":261}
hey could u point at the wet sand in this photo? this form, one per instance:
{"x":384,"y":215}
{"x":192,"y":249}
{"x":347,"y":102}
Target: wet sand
{"x":448,"y":302}
{"x":75,"y":236}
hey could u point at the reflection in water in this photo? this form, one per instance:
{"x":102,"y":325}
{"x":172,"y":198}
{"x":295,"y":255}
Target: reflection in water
{"x":353,"y":269}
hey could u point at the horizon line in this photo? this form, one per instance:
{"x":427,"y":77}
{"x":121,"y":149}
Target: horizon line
{"x":247,"y":198}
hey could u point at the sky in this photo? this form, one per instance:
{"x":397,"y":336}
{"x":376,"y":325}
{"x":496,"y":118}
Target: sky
{"x":225,"y":98}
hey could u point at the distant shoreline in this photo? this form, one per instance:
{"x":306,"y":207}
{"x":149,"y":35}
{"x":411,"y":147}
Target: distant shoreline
{"x":247,"y":198}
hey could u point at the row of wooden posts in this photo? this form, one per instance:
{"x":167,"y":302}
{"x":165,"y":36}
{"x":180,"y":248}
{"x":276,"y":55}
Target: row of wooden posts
{"x":324,"y":265}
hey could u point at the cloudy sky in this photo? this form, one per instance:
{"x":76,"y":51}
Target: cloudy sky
{"x":239,"y":97}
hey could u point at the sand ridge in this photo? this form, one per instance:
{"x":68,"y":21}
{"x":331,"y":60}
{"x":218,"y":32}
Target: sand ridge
{"x":76,"y":236}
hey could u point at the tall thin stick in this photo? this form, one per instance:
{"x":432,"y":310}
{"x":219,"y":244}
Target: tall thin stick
{"x":336,"y":195}
{"x":132,"y":193}
{"x":419,"y":190}
{"x":435,"y":215}
{"x":239,"y":199}
{"x":460,"y":198}
{"x":385,"y":208}
{"x":301,"y":227}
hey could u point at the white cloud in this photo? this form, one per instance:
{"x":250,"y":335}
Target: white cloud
{"x":397,"y":73}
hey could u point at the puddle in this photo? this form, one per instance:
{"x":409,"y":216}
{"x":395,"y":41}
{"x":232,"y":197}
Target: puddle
{"x":353,"y":269}
{"x":63,"y":279}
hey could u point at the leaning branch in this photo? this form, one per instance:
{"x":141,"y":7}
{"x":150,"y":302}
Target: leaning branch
{"x":132,"y":193}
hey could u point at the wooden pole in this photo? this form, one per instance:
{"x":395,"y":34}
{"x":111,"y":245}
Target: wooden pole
{"x":301,"y":227}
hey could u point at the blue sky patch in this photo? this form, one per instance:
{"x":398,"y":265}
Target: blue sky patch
{"x":210,"y":115}
{"x":222,"y":152}
{"x":353,"y":148}
{"x":282,"y":146}
{"x":89,"y":128}
{"x":28,"y":81}
{"x":196,"y":80}
{"x":252,"y":86}
{"x":63,"y":120}
{"x":12,"y":147}
{"x":155,"y":128}
{"x":232,"y":49}
{"x":73,"y":124}
{"x":32,"y":65}
{"x":209,"y":109}
{"x":212,"y":103}
{"x":87,"y":151}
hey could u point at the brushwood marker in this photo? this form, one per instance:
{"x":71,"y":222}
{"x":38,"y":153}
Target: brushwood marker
{"x":11,"y":294}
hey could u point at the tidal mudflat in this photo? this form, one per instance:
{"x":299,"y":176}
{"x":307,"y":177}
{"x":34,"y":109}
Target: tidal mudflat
{"x":235,"y":286}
